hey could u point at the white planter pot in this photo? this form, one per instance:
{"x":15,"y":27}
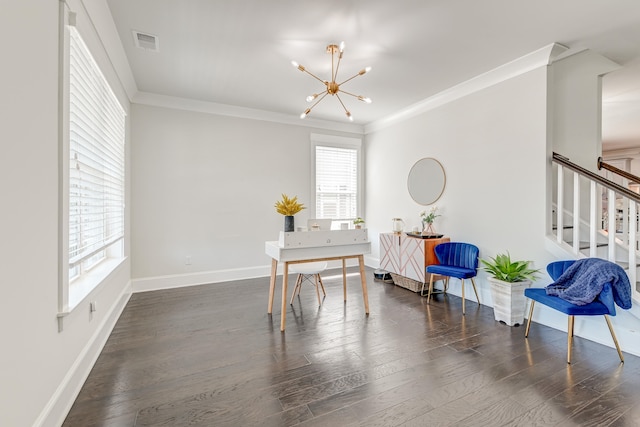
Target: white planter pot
{"x":509,"y":303}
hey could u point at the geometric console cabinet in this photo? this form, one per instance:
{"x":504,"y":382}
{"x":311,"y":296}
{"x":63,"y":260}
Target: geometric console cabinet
{"x":406,"y":258}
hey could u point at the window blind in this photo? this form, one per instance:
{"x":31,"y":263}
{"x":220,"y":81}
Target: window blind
{"x":336,"y":182}
{"x":96,"y":163}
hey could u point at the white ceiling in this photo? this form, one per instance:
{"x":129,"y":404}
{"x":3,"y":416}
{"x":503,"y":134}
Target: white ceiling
{"x":239,"y":52}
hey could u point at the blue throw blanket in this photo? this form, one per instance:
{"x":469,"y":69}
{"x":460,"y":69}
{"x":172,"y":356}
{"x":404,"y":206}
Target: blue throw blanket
{"x":583,"y":281}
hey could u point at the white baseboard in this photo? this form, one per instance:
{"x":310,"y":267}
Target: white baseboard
{"x":146,"y":284}
{"x":59,"y":405}
{"x":371,"y":262}
{"x":200,"y":278}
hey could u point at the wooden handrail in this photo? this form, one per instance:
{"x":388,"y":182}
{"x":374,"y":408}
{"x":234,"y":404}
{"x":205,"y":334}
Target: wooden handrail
{"x":564,"y":161}
{"x":631,"y":177}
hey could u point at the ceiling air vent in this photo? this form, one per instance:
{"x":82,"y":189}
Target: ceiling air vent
{"x":146,"y":41}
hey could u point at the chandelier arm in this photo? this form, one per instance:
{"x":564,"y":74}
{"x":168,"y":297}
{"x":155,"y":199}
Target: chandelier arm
{"x":314,"y":76}
{"x":342,"y":103}
{"x":349,"y":93}
{"x":335,"y":75}
{"x":350,"y":78}
{"x":320,"y":99}
{"x":358,"y":97}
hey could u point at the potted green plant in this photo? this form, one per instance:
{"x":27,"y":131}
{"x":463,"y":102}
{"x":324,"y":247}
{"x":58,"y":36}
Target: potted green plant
{"x":508,"y":280}
{"x":288,"y":206}
{"x":358,"y":222}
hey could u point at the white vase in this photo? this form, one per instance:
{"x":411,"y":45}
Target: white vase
{"x":509,"y":302}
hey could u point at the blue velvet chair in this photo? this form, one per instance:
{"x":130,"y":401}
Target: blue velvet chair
{"x":603,"y":305}
{"x":457,"y":259}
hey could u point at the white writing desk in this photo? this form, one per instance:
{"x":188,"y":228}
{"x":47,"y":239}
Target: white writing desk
{"x":297,"y":255}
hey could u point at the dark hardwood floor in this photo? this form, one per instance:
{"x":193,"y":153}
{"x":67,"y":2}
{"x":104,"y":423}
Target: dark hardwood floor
{"x":211,"y":356}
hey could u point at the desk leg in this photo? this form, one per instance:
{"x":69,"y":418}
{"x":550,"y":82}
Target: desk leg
{"x":285,"y":281}
{"x":344,"y":277}
{"x":272,"y":284}
{"x":365,"y":293}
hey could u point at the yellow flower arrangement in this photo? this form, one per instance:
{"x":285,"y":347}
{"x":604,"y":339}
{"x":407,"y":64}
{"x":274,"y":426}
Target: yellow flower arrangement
{"x":288,"y":205}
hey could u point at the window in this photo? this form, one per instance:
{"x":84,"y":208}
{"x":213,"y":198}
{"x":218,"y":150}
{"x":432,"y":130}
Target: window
{"x":95,"y":175}
{"x":337,"y":177}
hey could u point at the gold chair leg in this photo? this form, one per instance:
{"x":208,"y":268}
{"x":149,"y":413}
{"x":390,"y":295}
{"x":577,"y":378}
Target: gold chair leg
{"x":613,"y":335}
{"x":569,"y":338}
{"x":473,"y":282}
{"x":430,"y":289}
{"x":426,"y":284}
{"x":526,"y":332}
{"x":446,"y":284}
{"x":463,"y":309}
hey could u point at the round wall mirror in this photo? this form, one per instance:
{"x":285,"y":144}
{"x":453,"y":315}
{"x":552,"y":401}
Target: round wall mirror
{"x":426,"y":181}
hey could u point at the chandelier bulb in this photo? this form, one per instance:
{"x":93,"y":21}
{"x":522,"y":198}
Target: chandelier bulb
{"x":305,"y":114}
{"x":349,"y":116}
{"x":312,"y":97}
{"x":298,"y":66}
{"x":341,"y":46}
{"x":364,"y":99}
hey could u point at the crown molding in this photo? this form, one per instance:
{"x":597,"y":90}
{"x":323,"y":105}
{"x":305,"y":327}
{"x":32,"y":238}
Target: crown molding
{"x":539,"y":58}
{"x":155,"y":100}
{"x":621,"y":153}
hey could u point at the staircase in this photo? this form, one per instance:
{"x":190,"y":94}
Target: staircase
{"x":584,"y":205}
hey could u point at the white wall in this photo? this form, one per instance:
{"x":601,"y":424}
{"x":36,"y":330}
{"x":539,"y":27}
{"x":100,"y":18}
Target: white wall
{"x":576,"y":106}
{"x":204,"y":187}
{"x":575,"y":117}
{"x":41,"y":369}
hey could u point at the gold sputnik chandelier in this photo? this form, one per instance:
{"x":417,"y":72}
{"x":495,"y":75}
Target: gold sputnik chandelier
{"x":331,"y":87}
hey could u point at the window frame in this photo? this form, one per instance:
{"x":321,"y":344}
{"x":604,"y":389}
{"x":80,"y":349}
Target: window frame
{"x":72,"y":292}
{"x":334,"y":141}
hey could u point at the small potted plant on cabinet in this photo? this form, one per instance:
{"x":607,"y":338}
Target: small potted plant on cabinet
{"x":358,"y":222}
{"x":428,"y":219}
{"x":508,"y":281}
